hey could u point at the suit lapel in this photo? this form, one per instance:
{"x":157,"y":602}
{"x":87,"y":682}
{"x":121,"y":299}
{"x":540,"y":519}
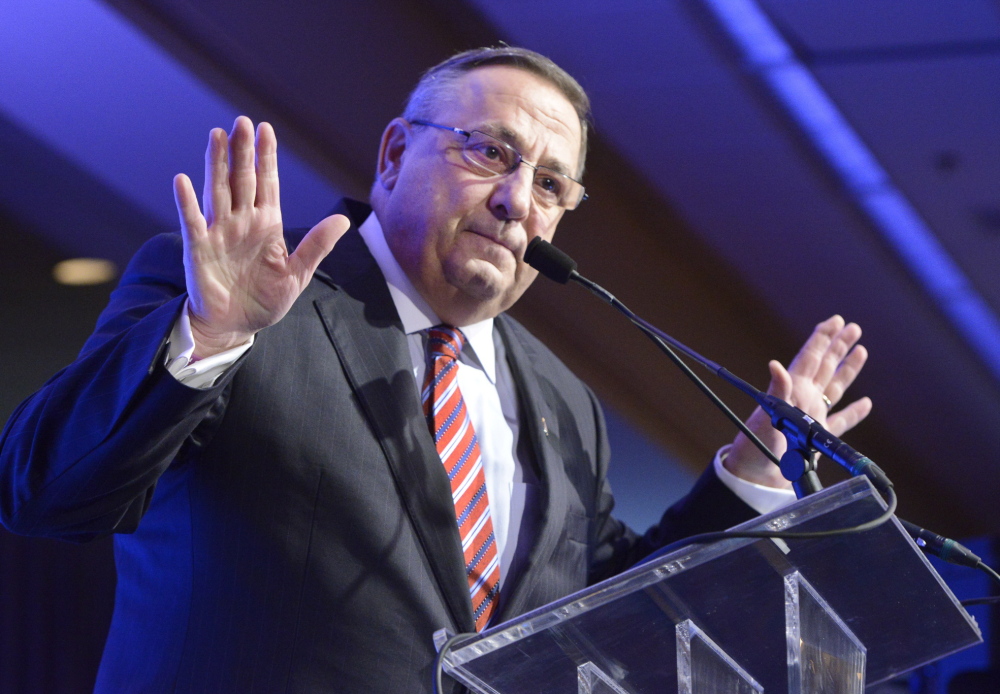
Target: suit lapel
{"x":543,"y":429}
{"x":364,"y":329}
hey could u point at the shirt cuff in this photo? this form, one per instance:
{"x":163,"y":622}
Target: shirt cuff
{"x":760,"y":498}
{"x":197,"y":373}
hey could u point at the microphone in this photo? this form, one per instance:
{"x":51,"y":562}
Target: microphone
{"x":790,"y":420}
{"x":549,"y":260}
{"x":793,"y":422}
{"x":796,"y":424}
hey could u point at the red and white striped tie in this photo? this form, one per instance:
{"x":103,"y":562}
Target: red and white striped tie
{"x":458,"y":447}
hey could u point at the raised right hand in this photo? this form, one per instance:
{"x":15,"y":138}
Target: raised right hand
{"x":240,"y":277}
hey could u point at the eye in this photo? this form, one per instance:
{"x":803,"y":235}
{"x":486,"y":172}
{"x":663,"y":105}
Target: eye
{"x":491,"y":152}
{"x":549,"y":183}
{"x":488,"y":155}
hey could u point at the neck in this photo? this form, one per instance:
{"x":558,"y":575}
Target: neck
{"x":461,"y":309}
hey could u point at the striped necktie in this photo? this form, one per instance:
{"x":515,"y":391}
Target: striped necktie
{"x":458,"y":447}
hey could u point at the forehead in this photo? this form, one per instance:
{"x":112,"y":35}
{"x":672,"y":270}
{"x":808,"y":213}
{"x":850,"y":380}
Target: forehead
{"x":521,"y":107}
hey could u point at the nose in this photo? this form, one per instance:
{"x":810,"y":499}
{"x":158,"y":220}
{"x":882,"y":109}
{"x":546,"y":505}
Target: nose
{"x":511,"y":198}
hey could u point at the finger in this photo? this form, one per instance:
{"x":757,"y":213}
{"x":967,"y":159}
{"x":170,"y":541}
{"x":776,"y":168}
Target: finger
{"x":316,"y":245}
{"x":192,"y":221}
{"x":267,"y":166}
{"x":838,"y":349}
{"x":217,"y":197}
{"x":846,"y":419}
{"x":848,"y":370}
{"x":242,"y":179}
{"x":806,"y":363}
{"x":781,"y":381}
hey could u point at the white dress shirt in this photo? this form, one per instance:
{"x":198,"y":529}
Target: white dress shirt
{"x":487,"y":386}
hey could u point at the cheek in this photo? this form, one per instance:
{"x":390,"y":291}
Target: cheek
{"x":542,"y":227}
{"x":523,"y":276}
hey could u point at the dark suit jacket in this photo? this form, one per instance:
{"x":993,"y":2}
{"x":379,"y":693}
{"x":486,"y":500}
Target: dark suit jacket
{"x":297,"y":533}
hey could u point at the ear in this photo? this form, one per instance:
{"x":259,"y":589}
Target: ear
{"x":395,"y":140}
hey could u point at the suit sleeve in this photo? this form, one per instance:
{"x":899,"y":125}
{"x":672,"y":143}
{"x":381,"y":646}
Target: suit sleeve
{"x":709,"y":506}
{"x":80,"y":458}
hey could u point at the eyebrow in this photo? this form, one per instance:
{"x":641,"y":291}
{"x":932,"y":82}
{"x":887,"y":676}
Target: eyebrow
{"x":502,"y":132}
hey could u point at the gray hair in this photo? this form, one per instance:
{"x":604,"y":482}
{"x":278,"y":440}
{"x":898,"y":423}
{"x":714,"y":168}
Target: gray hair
{"x":437,"y":84}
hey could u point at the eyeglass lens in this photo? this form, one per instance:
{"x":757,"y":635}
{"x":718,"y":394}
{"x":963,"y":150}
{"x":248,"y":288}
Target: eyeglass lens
{"x":497,"y":157}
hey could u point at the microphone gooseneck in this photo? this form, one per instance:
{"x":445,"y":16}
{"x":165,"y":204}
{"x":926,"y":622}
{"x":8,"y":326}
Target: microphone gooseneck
{"x":790,"y":420}
{"x":798,"y":426}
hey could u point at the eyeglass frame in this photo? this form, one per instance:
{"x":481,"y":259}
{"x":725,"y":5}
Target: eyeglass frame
{"x":518,"y":158}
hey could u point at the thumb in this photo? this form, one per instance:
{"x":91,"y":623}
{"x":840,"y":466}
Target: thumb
{"x":781,"y":381}
{"x":317,"y":244}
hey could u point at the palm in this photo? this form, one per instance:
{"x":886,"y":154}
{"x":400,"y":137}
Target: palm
{"x":826,"y":365}
{"x":240,"y":277}
{"x":239,"y":271}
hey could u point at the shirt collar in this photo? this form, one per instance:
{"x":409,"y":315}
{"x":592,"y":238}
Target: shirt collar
{"x":414,"y":311}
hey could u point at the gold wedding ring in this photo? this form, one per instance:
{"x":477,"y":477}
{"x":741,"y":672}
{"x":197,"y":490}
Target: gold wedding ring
{"x":826,"y":400}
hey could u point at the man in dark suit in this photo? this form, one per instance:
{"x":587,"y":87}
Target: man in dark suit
{"x":248,"y":420}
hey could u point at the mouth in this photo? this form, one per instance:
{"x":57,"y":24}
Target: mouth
{"x":498,"y":240}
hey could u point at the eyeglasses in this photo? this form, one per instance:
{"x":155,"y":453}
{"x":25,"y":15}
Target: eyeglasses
{"x":488,"y":156}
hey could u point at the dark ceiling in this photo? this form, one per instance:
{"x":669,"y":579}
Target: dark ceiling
{"x":713,"y":213}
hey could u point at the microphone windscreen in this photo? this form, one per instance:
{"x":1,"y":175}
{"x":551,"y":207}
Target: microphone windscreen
{"x":549,"y":260}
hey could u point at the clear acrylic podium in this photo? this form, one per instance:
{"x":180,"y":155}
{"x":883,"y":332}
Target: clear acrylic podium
{"x":742,"y":616}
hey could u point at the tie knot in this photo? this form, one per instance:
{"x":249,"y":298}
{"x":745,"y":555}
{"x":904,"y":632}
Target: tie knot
{"x":445,"y":341}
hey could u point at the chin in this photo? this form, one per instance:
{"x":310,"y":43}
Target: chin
{"x":482,"y":291}
{"x":479,"y":279}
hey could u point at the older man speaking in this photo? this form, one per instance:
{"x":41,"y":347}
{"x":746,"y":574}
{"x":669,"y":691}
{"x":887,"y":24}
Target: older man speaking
{"x":315,"y":450}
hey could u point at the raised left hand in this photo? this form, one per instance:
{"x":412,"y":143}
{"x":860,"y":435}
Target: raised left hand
{"x":826,"y":365}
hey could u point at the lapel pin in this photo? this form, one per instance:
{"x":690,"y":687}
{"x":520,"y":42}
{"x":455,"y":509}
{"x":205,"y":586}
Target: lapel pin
{"x":545,"y":427}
